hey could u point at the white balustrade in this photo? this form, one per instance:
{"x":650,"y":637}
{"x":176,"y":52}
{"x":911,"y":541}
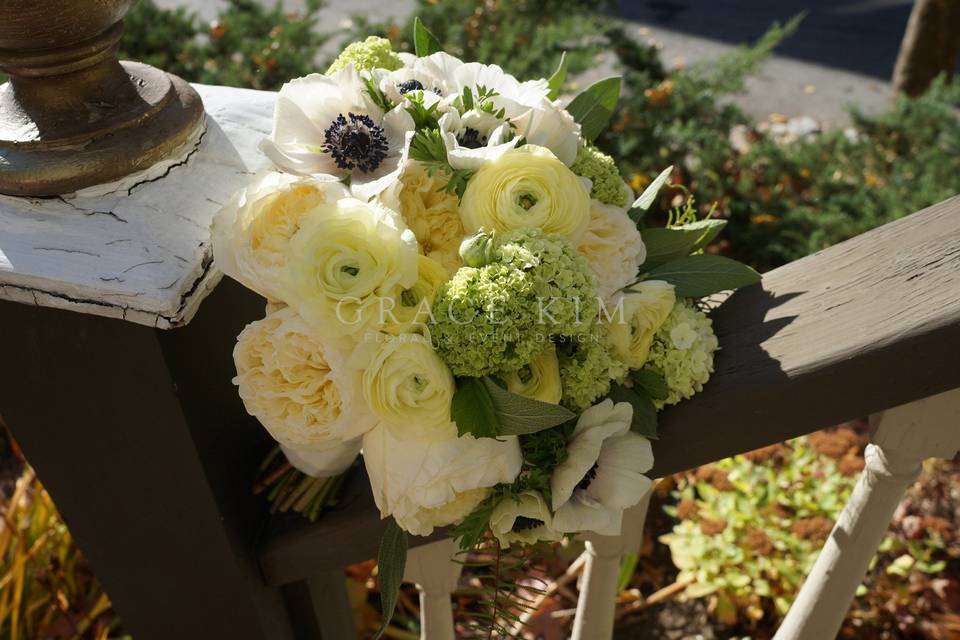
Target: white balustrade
{"x":598,"y":590}
{"x":902,"y":439}
{"x":433,"y":569}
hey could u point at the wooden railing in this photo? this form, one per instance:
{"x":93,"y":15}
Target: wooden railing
{"x":116,"y":382}
{"x":868,"y":327}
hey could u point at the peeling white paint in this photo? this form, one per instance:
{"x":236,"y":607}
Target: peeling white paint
{"x":137,"y":249}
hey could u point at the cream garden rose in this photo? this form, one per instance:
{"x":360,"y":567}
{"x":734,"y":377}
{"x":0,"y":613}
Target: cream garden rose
{"x":432,"y":214}
{"x":252,"y":232}
{"x":613,"y":248}
{"x":425,"y":482}
{"x":407,"y":385}
{"x":346,"y":257}
{"x":645,"y":306}
{"x":539,"y":380}
{"x":297,"y":386}
{"x":524,"y":188}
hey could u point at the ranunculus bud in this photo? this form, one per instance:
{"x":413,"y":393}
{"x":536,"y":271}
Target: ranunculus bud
{"x":478,"y":250}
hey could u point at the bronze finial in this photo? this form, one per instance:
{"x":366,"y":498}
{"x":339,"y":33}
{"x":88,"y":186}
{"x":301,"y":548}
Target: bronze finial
{"x":72,"y":115}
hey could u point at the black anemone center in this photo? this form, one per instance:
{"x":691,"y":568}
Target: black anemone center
{"x":355,"y":142}
{"x":409,"y":85}
{"x":471,"y":139}
{"x":587,"y":478}
{"x":522,"y":523}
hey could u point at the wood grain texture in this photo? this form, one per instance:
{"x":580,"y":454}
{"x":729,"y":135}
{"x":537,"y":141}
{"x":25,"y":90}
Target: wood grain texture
{"x":866,"y":325}
{"x":863,"y":326}
{"x":144,"y":445}
{"x":138,"y":249}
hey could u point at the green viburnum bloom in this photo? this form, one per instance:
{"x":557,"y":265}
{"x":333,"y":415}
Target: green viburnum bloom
{"x":682,"y":351}
{"x":372,"y":53}
{"x":500,"y":316}
{"x":603,"y":173}
{"x":587,"y":367}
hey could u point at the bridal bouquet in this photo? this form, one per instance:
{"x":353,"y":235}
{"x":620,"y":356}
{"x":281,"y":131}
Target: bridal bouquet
{"x":462,"y":287}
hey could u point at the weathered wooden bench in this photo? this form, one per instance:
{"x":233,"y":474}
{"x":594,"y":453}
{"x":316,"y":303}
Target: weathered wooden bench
{"x":116,"y":382}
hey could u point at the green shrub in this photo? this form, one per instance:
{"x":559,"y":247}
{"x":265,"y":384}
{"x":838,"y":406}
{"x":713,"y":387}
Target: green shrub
{"x":525,"y":37}
{"x":248,"y":45}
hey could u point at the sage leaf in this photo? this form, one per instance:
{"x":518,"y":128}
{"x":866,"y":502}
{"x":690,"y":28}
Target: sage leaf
{"x":650,"y":193}
{"x":652,"y":382}
{"x":555,"y":83}
{"x":391,"y":563}
{"x":711,"y":229}
{"x":701,"y":275}
{"x":644,"y":412}
{"x":519,"y":415}
{"x":424,"y":42}
{"x":473,"y":410}
{"x":594,"y":107}
{"x":666,"y":244}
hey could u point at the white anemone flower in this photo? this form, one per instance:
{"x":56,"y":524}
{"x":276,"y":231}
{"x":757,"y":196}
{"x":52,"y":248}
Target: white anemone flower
{"x":475,"y":137}
{"x":603,"y":472}
{"x":330,"y":125}
{"x":548,"y":124}
{"x":525,"y":519}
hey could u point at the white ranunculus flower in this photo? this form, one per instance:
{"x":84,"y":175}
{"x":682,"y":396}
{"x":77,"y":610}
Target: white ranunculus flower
{"x":643,"y":309}
{"x":330,"y":125}
{"x":407,"y":385}
{"x":251,"y":233}
{"x":525,"y":519}
{"x":425,"y":483}
{"x":613,"y":248}
{"x":298,"y":386}
{"x":549,"y":125}
{"x":539,"y":379}
{"x":603,"y":472}
{"x":348,"y":258}
{"x":526,"y":187}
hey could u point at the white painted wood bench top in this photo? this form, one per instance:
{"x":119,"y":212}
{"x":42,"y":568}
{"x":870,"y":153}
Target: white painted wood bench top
{"x":141,"y":251}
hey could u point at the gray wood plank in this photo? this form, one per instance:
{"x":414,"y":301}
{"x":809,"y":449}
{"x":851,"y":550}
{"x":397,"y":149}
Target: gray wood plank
{"x":863,"y":326}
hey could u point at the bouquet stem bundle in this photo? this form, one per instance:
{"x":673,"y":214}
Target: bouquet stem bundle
{"x":286,"y":488}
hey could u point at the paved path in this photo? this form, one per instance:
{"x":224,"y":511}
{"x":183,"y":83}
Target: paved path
{"x":842,"y":54}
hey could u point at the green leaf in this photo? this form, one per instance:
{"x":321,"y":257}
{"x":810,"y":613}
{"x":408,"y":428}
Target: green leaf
{"x":519,"y":415}
{"x":473,"y":410}
{"x":650,"y":193}
{"x":652,"y":382}
{"x":666,"y":244}
{"x":628,"y":566}
{"x":594,"y":106}
{"x":424,"y":42}
{"x":701,"y":275}
{"x":558,"y":78}
{"x":644,"y":413}
{"x":391,"y":563}
{"x":711,"y":229}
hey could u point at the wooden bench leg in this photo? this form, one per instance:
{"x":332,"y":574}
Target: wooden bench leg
{"x":903,"y":438}
{"x":598,"y":591}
